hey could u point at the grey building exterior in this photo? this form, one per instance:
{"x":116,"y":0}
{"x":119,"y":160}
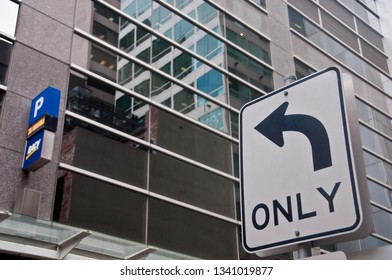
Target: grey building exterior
{"x":145,"y":158}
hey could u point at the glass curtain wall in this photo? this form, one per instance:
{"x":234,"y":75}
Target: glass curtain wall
{"x":8,"y":17}
{"x":375,"y":126}
{"x":166,"y":126}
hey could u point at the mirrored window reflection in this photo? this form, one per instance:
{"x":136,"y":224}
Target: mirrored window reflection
{"x":209,"y":47}
{"x":247,"y":39}
{"x":161,"y":17}
{"x":236,"y":173}
{"x":256,"y":74}
{"x":104,"y":33}
{"x":377,"y":168}
{"x":301,"y":69}
{"x":98,"y":150}
{"x":103,"y":62}
{"x":380,"y":194}
{"x":134,"y":76}
{"x":366,"y":243}
{"x":374,"y":118}
{"x":191,"y":141}
{"x":107,"y":205}
{"x":234,"y":125}
{"x":106,"y":13}
{"x":332,"y":47}
{"x":262,"y":3}
{"x":382,"y":220}
{"x":375,"y":142}
{"x":189,"y":232}
{"x":181,"y":4}
{"x":211,"y":82}
{"x":161,"y":50}
{"x":190,"y":184}
{"x":1,"y":99}
{"x":207,"y":15}
{"x":5,"y":55}
{"x":8,"y":17}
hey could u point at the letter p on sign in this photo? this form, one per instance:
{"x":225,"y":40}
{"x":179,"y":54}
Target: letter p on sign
{"x":38,"y":105}
{"x":47,"y":102}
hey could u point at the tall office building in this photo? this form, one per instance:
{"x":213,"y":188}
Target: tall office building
{"x":145,"y":160}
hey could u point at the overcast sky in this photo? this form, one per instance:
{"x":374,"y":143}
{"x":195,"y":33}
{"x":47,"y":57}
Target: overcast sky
{"x":9,"y":11}
{"x":8,"y":14}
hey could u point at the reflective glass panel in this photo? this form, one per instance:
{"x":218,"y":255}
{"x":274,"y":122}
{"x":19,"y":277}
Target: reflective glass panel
{"x":191,"y":185}
{"x":189,"y":232}
{"x":189,"y":140}
{"x":99,"y":206}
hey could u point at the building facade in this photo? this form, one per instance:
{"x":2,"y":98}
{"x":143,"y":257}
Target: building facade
{"x":145,"y":158}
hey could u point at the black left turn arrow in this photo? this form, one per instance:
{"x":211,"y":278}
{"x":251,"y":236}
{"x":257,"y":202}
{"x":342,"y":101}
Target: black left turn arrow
{"x":273,"y":126}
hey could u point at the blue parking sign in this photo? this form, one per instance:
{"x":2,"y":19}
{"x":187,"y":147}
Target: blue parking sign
{"x":47,"y":102}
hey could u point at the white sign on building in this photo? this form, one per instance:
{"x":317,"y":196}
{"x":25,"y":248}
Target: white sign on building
{"x":298,"y":177}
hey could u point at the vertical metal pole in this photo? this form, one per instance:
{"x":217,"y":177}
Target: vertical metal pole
{"x":288,"y":79}
{"x":304,"y":249}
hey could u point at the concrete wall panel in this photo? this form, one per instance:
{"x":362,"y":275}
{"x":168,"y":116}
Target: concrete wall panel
{"x":62,"y":11}
{"x":44,"y":34}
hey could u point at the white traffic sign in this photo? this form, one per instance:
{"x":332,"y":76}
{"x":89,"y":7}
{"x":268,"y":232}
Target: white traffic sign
{"x":298,"y":180}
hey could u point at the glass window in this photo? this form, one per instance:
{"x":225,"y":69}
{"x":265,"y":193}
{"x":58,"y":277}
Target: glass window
{"x":8,"y":16}
{"x":117,"y":158}
{"x":5,"y":55}
{"x":125,"y":73}
{"x":191,"y":233}
{"x":107,"y":205}
{"x":105,"y":34}
{"x":375,"y":142}
{"x":380,"y":194}
{"x":206,"y":12}
{"x":332,"y":47}
{"x":131,"y":11}
{"x":1,"y":99}
{"x":191,"y":185}
{"x":260,"y":2}
{"x":214,"y":118}
{"x":160,"y":48}
{"x":184,"y":101}
{"x":180,"y":4}
{"x":301,"y":69}
{"x":127,"y":42}
{"x":103,"y":58}
{"x":159,"y":84}
{"x":142,"y":6}
{"x":182,"y":66}
{"x":189,"y":140}
{"x":247,"y":39}
{"x":382,"y":221}
{"x":210,"y":83}
{"x":144,"y":55}
{"x":160,"y":16}
{"x":103,"y":62}
{"x":377,"y":169}
{"x":208,"y":47}
{"x":183,"y":30}
{"x":141,"y":33}
{"x":105,"y":12}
